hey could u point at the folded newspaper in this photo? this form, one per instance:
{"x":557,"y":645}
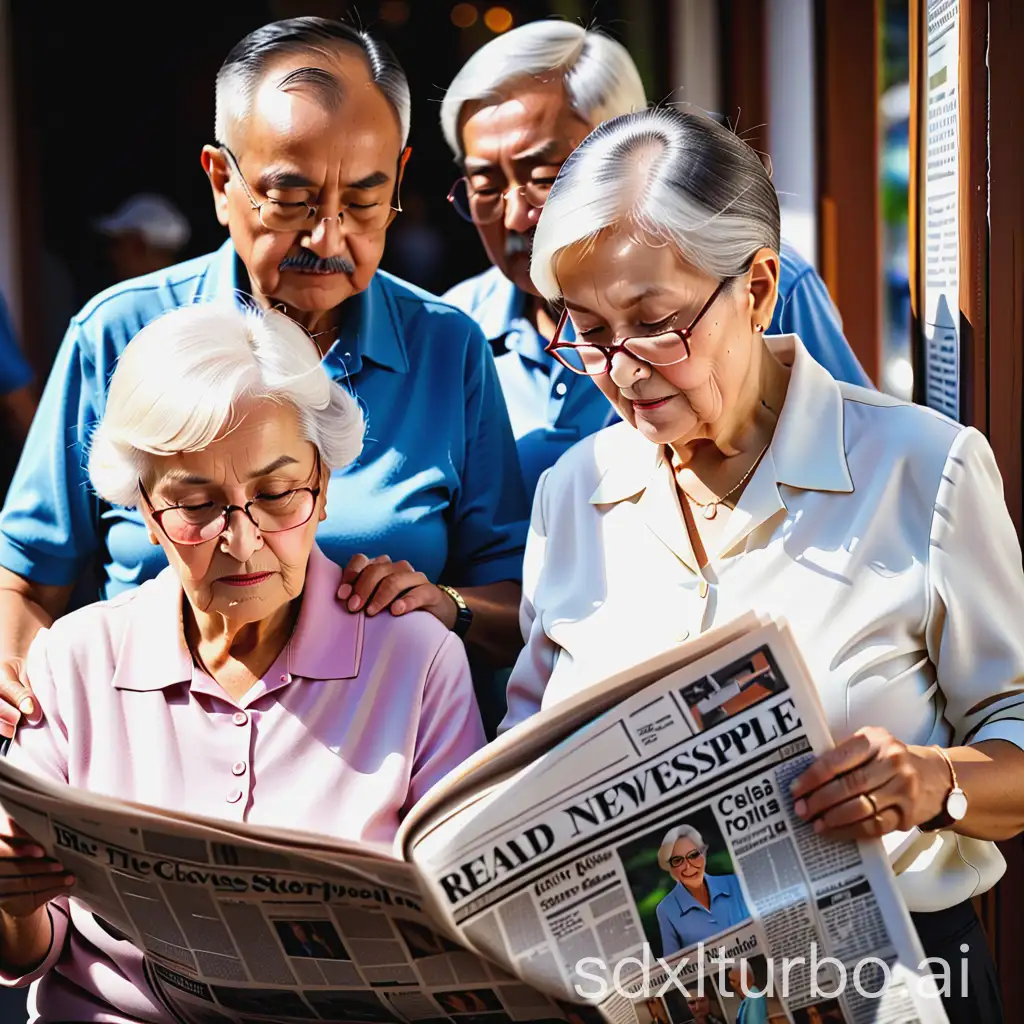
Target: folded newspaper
{"x":551,"y":877}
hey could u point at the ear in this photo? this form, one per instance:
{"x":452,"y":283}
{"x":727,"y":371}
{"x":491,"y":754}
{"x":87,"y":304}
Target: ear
{"x":764,"y":288}
{"x":215,"y":165}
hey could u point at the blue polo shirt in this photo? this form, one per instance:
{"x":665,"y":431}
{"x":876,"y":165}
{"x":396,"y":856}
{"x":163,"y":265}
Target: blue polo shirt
{"x":437,"y":482}
{"x":15,"y":372}
{"x":551,"y":408}
{"x":684,"y":922}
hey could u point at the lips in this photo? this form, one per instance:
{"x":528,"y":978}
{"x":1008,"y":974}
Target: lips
{"x":651,"y":403}
{"x":247,"y":580}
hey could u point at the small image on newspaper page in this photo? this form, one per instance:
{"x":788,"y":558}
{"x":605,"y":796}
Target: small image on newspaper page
{"x":652,"y":865}
{"x":242,"y":932}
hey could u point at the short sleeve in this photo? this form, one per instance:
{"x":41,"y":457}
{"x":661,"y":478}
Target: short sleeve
{"x":490,"y":512}
{"x":976,"y":598}
{"x":15,"y":373}
{"x":49,"y":523}
{"x":450,"y":727}
{"x":43,"y":750}
{"x":536,"y":662}
{"x":809,"y":312}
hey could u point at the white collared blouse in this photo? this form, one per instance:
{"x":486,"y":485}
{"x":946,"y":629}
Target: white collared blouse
{"x":877,"y":528}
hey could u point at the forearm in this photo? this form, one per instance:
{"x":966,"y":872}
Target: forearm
{"x":494,"y":633}
{"x":992,"y":776}
{"x":22,"y":615}
{"x":24,"y":941}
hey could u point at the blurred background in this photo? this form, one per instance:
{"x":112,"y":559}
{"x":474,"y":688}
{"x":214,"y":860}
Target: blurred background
{"x":102,"y":103}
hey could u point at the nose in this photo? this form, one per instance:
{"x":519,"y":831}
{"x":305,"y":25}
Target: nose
{"x":627,"y":369}
{"x":241,"y":537}
{"x":520,"y":215}
{"x":327,"y":237}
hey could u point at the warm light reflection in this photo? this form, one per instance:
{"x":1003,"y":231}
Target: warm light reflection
{"x":394,"y":12}
{"x":498,"y":19}
{"x":463,"y":15}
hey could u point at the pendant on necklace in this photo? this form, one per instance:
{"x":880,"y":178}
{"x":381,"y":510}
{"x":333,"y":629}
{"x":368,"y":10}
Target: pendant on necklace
{"x":710,"y":511}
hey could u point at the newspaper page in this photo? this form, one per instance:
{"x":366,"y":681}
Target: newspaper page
{"x":579,"y":871}
{"x":238,"y":930}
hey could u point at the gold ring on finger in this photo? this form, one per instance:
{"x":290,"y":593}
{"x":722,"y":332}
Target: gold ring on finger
{"x":874,"y":806}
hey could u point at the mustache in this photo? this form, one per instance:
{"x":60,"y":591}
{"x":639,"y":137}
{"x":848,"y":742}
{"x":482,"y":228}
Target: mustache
{"x":309,"y":261}
{"x":516,"y":243}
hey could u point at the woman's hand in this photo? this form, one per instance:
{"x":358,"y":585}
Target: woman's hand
{"x":28,"y":878}
{"x":15,"y":698}
{"x":871,"y":784}
{"x":379,"y":583}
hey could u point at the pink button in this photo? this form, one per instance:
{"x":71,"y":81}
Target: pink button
{"x":240,"y":718}
{"x":286,"y":678}
{"x":234,"y":796}
{"x":238,"y":768}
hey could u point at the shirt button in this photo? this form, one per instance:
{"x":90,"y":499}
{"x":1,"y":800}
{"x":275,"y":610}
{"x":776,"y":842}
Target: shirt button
{"x":286,"y":677}
{"x":683,"y":635}
{"x":240,"y":718}
{"x":234,"y":796}
{"x":238,"y":768}
{"x":561,"y":388}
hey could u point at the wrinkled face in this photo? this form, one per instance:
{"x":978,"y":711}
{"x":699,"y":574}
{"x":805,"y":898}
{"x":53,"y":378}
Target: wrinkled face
{"x":690,"y":867}
{"x":294,"y":148}
{"x":243,"y":575}
{"x":519,"y":140}
{"x":619,"y":286}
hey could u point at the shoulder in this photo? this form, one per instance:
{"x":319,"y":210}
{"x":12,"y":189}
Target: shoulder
{"x":426,"y":316}
{"x":417,"y":637}
{"x":470,"y":294}
{"x":587,"y":462}
{"x":118,"y":313}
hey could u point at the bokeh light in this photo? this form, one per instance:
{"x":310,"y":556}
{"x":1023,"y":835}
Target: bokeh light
{"x":463,"y":15}
{"x":498,"y":19}
{"x":394,"y":12}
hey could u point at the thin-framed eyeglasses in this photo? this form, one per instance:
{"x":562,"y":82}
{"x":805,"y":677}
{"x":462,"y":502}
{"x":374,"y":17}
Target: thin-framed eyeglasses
{"x":693,"y":856}
{"x":276,"y":215}
{"x":487,"y":205}
{"x":663,"y":349}
{"x":269,"y":513}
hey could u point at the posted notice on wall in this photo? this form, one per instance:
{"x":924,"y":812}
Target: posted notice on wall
{"x":941,"y":211}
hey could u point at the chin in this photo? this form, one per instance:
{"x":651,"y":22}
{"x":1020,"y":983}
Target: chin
{"x":315,"y":294}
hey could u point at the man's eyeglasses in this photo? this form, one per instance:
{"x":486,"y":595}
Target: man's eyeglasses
{"x":279,"y":216}
{"x":487,"y":205}
{"x":693,"y":856}
{"x":664,"y":349}
{"x":269,"y":513}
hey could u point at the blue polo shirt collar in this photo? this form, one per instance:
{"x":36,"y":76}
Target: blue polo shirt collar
{"x":716,"y":887}
{"x":370,"y":320}
{"x":502,"y":317}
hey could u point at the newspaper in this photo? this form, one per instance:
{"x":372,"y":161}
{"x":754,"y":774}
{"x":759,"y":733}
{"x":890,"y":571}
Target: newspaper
{"x":543,"y":880}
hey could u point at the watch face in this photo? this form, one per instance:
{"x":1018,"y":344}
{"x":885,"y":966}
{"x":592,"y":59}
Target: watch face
{"x":956,"y":804}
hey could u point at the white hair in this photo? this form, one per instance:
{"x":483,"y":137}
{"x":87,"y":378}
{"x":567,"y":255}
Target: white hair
{"x":181,"y":381}
{"x":600,"y":77}
{"x":679,"y":177}
{"x":672,"y":836}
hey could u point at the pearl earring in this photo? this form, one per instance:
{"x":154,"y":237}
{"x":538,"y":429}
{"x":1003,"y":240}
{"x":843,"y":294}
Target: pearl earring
{"x":758,"y":328}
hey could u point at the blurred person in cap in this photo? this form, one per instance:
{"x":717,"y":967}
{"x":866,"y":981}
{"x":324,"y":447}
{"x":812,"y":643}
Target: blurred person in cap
{"x":311,"y":129}
{"x":146,"y":233}
{"x":511,"y":116}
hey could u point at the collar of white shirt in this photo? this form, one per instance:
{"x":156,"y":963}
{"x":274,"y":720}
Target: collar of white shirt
{"x":807,"y":452}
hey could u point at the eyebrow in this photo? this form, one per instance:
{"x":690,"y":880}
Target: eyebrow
{"x":374,"y":180}
{"x":180,"y":476}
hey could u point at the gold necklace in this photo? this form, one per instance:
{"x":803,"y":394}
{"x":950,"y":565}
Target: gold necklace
{"x":711,"y":508}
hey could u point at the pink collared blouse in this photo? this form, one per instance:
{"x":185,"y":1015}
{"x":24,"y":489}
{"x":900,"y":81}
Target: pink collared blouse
{"x":356,"y":720}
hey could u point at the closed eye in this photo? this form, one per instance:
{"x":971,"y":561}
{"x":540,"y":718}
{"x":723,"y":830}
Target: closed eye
{"x":590,"y":332}
{"x":664,"y":322}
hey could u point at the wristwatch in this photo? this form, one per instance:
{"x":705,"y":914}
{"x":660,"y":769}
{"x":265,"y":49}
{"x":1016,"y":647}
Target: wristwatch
{"x":464,"y":617}
{"x":956,"y":802}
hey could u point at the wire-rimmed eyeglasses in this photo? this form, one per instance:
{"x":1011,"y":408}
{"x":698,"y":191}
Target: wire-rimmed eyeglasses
{"x":487,"y":205}
{"x":269,"y":513}
{"x":276,"y":215}
{"x":663,"y":349}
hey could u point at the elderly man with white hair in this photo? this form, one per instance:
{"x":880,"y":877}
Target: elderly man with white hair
{"x":513,"y":114}
{"x":234,"y":684}
{"x":699,"y":905}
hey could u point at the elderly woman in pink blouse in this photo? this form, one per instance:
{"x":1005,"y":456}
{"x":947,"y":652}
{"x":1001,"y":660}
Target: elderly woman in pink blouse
{"x":234,"y":684}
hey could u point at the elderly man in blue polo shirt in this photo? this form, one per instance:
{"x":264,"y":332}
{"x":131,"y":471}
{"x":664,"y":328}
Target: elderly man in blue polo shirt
{"x":511,"y":121}
{"x":312,"y":122}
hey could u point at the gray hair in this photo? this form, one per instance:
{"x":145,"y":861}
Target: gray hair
{"x":600,"y":77}
{"x":672,"y":836}
{"x":249,"y":60}
{"x":676,"y":176}
{"x":179,"y":383}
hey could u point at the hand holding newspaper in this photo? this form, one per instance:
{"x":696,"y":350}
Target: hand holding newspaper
{"x":629,"y":855}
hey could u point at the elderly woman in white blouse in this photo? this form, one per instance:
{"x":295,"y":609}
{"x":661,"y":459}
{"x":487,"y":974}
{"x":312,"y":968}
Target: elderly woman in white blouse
{"x":745,"y":476}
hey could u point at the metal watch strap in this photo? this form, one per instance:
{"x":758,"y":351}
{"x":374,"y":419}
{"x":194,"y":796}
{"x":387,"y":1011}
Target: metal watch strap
{"x":463,"y":617}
